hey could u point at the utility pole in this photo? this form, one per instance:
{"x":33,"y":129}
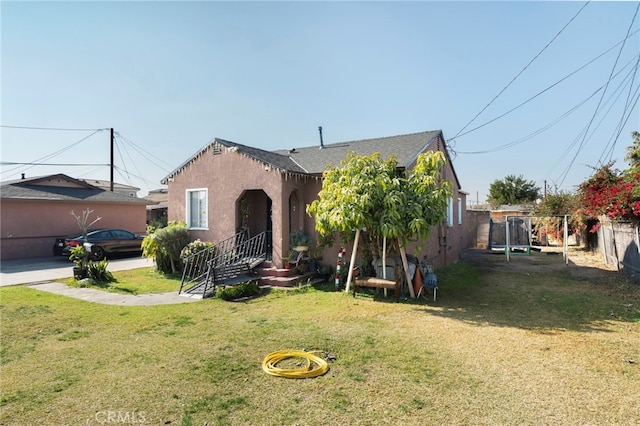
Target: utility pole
{"x":111,"y":160}
{"x":545,"y":189}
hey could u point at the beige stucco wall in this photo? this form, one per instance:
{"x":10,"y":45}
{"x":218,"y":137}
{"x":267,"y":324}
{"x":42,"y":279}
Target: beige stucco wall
{"x":28,"y":228}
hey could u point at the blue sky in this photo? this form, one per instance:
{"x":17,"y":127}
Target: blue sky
{"x":171,"y":76}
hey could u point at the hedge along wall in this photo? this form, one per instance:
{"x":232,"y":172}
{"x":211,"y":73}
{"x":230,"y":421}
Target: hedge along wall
{"x":620,"y":245}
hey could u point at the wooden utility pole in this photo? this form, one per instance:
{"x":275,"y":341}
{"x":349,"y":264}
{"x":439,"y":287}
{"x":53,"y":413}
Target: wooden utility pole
{"x":111,"y":164}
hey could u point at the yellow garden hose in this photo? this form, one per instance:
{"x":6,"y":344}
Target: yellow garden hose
{"x":320,"y":366}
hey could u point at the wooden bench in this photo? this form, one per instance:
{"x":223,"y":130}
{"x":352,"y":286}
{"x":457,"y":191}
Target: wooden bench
{"x":236,"y":273}
{"x":375,"y":282}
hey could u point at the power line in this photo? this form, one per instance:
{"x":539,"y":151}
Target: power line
{"x":601,"y":97}
{"x":40,"y":160}
{"x":546,"y":89}
{"x":584,"y":130}
{"x":521,"y":71}
{"x":50,"y":128}
{"x":631,"y":73}
{"x":136,"y":176}
{"x":633,"y":106}
{"x":616,"y":133}
{"x":533,"y":134}
{"x":11,"y":163}
{"x":146,"y":154}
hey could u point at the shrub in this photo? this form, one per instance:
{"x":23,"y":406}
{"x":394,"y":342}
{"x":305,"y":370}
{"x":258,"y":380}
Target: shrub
{"x":164,"y":246}
{"x":194,"y":247}
{"x":79,"y":256}
{"x":248,"y":289}
{"x":98,"y":272}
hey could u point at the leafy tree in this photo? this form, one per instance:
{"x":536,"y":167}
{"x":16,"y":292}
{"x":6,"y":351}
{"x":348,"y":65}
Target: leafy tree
{"x":633,"y":152}
{"x":512,"y":190}
{"x":560,"y":203}
{"x":366,"y":192}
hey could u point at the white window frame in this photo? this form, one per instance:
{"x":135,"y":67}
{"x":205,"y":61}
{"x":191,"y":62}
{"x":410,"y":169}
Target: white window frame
{"x":450,"y":212}
{"x":459,"y":211}
{"x":204,"y":215}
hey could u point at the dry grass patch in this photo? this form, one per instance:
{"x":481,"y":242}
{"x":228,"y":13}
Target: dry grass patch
{"x":501,"y":346}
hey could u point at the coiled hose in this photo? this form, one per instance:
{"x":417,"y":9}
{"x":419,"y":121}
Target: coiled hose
{"x":320,"y":366}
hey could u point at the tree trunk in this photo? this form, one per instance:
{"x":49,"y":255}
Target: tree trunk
{"x":352,"y":261}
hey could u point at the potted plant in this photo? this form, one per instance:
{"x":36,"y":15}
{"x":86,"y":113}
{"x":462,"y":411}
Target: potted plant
{"x":299,"y":241}
{"x":324,"y":271}
{"x":80,"y":259}
{"x":285,"y":262}
{"x":302,"y":268}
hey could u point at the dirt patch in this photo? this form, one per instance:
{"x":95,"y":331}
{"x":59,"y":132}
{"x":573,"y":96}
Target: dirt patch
{"x":580,"y":263}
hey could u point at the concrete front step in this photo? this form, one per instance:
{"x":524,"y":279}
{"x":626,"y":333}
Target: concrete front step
{"x":286,"y":281}
{"x":275,"y":272}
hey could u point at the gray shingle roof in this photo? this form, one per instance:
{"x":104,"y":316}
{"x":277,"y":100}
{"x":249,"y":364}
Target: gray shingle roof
{"x":275,"y":159}
{"x":29,"y":189}
{"x":406,"y":148}
{"x":313,"y":160}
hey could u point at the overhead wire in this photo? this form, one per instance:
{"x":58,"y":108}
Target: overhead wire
{"x":41,"y":161}
{"x":13,"y":163}
{"x":548,"y":125}
{"x":616,"y":133}
{"x":544,"y":90}
{"x":635,"y":103}
{"x":612,"y":98}
{"x":595,"y":112}
{"x":6,"y":126}
{"x":534,"y":133}
{"x":520,"y":73}
{"x":145,"y":153}
{"x":120,"y":171}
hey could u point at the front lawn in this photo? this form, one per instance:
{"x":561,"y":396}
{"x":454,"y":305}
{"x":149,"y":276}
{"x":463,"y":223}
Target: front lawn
{"x":500,"y":346}
{"x":134,"y":281}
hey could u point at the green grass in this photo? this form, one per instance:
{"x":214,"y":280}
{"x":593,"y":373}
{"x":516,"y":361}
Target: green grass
{"x":498,"y":347}
{"x":134,"y":281}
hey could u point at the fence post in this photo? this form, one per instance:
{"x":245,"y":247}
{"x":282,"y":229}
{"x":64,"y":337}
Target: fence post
{"x":615,"y":247}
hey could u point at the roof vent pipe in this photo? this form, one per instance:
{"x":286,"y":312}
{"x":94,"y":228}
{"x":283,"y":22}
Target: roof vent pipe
{"x":321,"y":142}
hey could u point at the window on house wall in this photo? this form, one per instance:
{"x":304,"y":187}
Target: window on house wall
{"x":459,"y":211}
{"x":449,"y":212}
{"x":197,"y":208}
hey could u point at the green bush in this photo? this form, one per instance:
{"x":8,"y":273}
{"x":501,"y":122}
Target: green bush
{"x":164,"y":246}
{"x":98,"y":272}
{"x":194,"y":247}
{"x":248,"y":289}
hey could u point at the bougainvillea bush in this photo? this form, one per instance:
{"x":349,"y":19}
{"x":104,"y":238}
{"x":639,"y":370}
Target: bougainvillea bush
{"x":612,"y":193}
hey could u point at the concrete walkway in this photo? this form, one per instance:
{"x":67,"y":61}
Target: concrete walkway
{"x":104,"y":297}
{"x":39,"y":274}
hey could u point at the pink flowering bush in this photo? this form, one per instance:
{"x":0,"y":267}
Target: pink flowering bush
{"x":613,"y":194}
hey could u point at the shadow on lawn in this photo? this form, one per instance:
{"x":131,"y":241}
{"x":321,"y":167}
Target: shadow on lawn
{"x":535,"y":292}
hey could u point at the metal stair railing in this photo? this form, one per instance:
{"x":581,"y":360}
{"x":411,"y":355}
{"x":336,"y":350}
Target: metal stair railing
{"x":252,"y":252}
{"x":196,"y":266}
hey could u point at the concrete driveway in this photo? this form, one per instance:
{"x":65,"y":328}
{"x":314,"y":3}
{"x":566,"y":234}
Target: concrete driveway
{"x":39,"y":274}
{"x":26,"y":271}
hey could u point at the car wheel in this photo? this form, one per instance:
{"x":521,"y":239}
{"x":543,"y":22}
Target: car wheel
{"x":97,"y":253}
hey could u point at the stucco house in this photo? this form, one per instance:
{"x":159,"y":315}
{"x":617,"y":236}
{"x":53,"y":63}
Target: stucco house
{"x":35,"y":211}
{"x":226,"y":186}
{"x":157,"y":212}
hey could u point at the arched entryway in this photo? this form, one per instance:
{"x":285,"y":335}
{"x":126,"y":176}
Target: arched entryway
{"x":253,"y":214}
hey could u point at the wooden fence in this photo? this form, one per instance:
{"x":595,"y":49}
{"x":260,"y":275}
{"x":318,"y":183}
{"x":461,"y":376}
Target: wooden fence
{"x":620,"y":245}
